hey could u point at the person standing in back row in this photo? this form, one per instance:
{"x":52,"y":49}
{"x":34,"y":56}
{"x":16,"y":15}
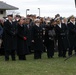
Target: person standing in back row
{"x":37,"y":34}
{"x":29,"y":40}
{"x":72,"y":35}
{"x":61,"y":35}
{"x":9,"y":34}
{"x":21,"y":40}
{"x":50,"y":38}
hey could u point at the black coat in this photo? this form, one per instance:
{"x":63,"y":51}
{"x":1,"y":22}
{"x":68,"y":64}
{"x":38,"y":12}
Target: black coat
{"x":43,"y":26}
{"x":21,"y":43}
{"x":62,"y":36}
{"x":48,"y":37}
{"x":9,"y":35}
{"x":72,"y":34}
{"x":37,"y":37}
{"x":1,"y":31}
{"x":15,"y":35}
{"x":29,"y":30}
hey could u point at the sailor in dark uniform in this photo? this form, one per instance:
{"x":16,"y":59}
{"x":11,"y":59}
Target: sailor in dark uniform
{"x":43,"y":25}
{"x":16,"y":19}
{"x":15,"y":23}
{"x":37,"y":39}
{"x":49,"y":39}
{"x":61,"y":34}
{"x":9,"y":34}
{"x":72,"y":35}
{"x":29,"y":30}
{"x":21,"y":40}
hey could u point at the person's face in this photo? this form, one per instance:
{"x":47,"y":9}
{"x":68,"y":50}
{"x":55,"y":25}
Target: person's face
{"x":58,"y":21}
{"x":72,"y":19}
{"x":10,"y":18}
{"x":37,"y":22}
{"x":47,"y":22}
{"x":22,"y":21}
{"x":17,"y":18}
{"x":65,"y":20}
{"x":54,"y":23}
{"x":27,"y":21}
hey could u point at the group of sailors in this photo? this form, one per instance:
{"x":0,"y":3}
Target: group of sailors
{"x":21,"y":35}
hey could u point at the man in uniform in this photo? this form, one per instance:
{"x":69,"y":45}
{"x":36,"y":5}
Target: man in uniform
{"x":8,"y":38}
{"x":22,"y":40}
{"x":61,"y":31}
{"x":72,"y":35}
{"x":29,"y":28}
{"x":50,"y":38}
{"x":37,"y":37}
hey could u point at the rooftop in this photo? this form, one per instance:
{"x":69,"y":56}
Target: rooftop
{"x":6,"y":6}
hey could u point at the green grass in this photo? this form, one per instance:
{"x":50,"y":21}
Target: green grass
{"x":44,"y":66}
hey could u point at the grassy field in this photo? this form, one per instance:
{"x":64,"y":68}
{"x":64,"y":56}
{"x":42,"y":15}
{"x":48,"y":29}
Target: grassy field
{"x":44,"y":66}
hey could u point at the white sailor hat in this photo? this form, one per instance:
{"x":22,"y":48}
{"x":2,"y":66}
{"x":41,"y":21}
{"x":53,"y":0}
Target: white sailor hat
{"x":10,"y":14}
{"x":36,"y":20}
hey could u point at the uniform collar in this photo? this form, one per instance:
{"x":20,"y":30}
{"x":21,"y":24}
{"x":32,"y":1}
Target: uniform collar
{"x":72,"y":22}
{"x":59,"y":25}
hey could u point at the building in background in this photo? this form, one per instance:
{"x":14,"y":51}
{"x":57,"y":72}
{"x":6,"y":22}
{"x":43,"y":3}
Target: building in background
{"x":4,"y":6}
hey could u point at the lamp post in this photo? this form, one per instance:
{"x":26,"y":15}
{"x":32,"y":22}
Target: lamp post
{"x":26,"y":11}
{"x":39,"y":11}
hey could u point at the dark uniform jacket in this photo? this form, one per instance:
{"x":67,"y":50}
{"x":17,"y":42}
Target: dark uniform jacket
{"x":29,"y":30}
{"x":1,"y":31}
{"x":61,"y":35}
{"x":37,"y":34}
{"x":72,"y":34}
{"x":49,"y":35}
{"x":9,"y":35}
{"x":21,"y":43}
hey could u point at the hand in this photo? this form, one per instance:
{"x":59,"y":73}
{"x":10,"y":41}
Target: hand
{"x":24,"y":38}
{"x":32,"y":40}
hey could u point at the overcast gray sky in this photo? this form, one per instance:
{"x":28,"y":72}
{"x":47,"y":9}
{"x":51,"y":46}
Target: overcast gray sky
{"x":48,"y":7}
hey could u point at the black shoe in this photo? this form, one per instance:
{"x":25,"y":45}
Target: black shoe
{"x":13,"y":59}
{"x":22,"y":59}
{"x":37,"y":58}
{"x":6,"y":59}
{"x":64,"y":56}
{"x":51,"y":56}
{"x":60,"y":56}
